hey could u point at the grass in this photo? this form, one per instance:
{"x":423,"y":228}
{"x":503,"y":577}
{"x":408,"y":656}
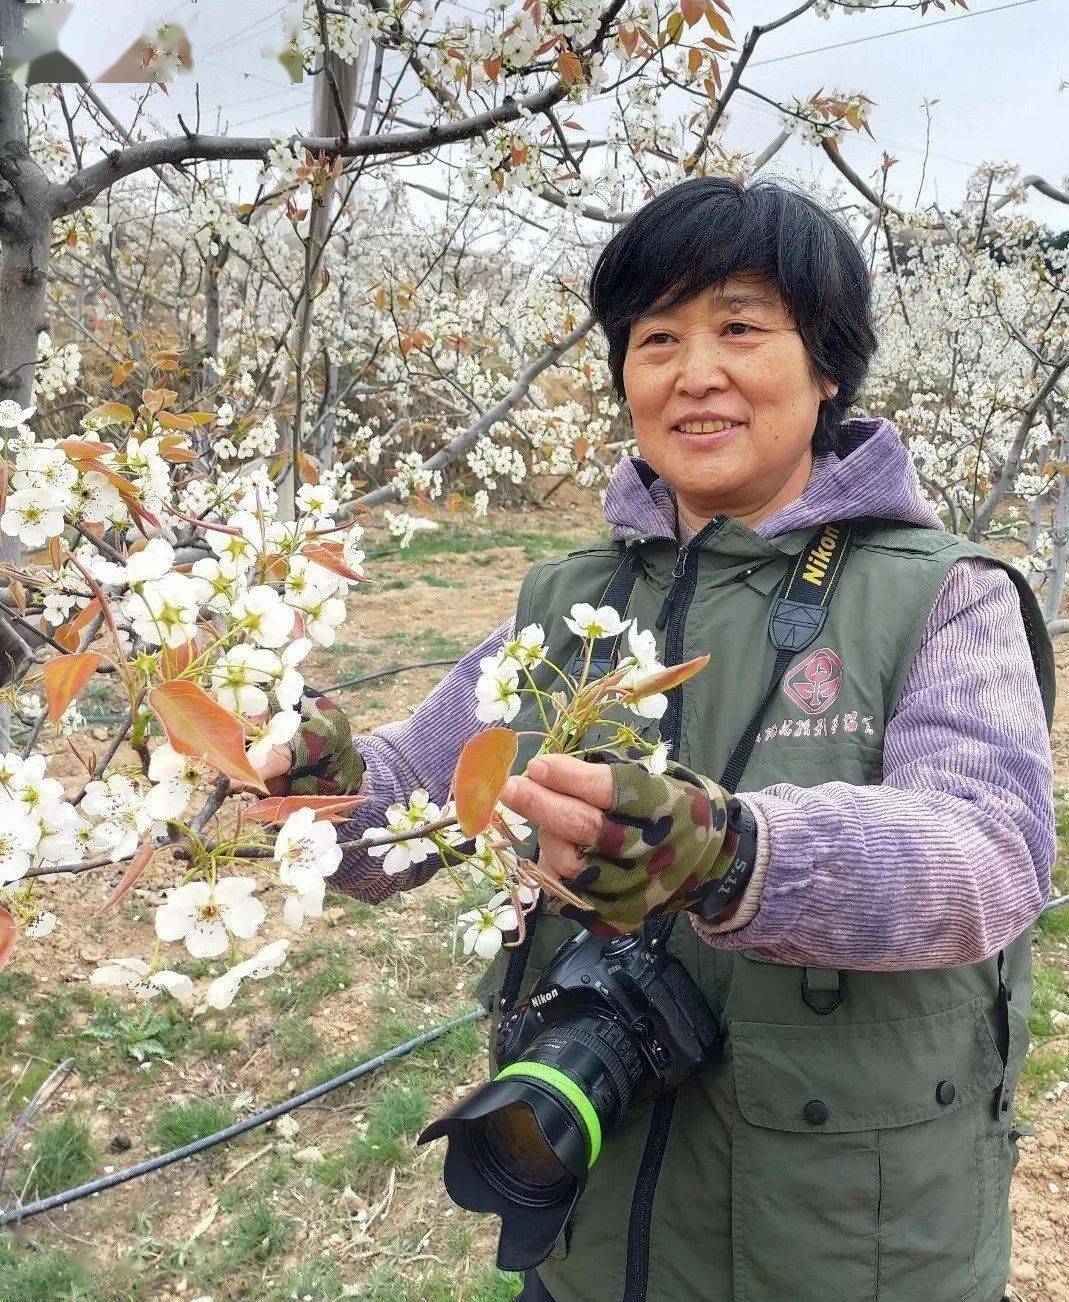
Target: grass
{"x":387,"y":1284}
{"x":400,"y":1110}
{"x":330,"y":970}
{"x":1048,"y":996}
{"x":259,"y":1233}
{"x":296,"y":1038}
{"x":28,"y":1275}
{"x":318,"y":1280}
{"x":142,"y":1034}
{"x":63,"y":1155}
{"x":183,"y":1123}
{"x":428,"y":645}
{"x":1047,"y":1062}
{"x":15,"y":985}
{"x":446,"y":540}
{"x":1044,"y":1067}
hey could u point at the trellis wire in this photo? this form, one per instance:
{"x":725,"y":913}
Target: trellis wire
{"x":325,"y":691}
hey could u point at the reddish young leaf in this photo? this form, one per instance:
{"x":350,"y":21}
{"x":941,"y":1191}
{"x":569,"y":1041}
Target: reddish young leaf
{"x":199,"y":727}
{"x":123,"y":487}
{"x":309,"y":469}
{"x":276,"y":809}
{"x":65,"y":676}
{"x":138,"y":864}
{"x":329,"y":556}
{"x":7,"y":936}
{"x":569,"y":67}
{"x":70,"y":633}
{"x":176,"y":660}
{"x":114,"y":411}
{"x":671,"y":677}
{"x":174,"y":420}
{"x":174,"y":448}
{"x":81,"y":448}
{"x":482,"y":770}
{"x":156,"y":400}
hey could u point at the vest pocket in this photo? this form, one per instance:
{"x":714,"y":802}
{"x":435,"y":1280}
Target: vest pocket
{"x":858,"y":1174}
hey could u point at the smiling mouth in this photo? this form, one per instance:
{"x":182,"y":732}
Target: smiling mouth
{"x":706,"y":428}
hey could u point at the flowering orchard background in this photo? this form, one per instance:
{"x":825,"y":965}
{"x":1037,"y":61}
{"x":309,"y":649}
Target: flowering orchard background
{"x":225,"y":418}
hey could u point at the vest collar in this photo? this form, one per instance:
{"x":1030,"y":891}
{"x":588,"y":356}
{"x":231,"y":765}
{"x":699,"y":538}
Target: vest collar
{"x":733,"y":541}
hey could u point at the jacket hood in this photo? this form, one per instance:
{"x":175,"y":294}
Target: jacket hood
{"x":874,"y":477}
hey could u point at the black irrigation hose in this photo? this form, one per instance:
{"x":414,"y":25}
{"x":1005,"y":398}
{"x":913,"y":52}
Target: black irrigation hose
{"x":231,"y":1132}
{"x":261,"y":1118}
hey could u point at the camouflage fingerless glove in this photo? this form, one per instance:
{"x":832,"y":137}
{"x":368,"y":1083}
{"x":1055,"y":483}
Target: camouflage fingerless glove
{"x":325,"y":761}
{"x":671,"y":841}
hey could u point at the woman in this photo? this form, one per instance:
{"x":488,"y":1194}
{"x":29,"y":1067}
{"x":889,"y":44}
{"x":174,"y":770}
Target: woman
{"x":871,"y":972}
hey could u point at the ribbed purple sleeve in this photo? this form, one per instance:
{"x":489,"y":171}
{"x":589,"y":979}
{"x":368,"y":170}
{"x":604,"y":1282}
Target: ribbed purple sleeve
{"x":950,"y":858}
{"x":420,"y":751}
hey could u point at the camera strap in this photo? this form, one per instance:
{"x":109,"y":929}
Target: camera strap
{"x":798,"y":615}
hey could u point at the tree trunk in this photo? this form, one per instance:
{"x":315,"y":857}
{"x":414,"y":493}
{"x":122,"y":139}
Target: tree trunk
{"x":1012,"y":465}
{"x":325,"y":122}
{"x":25,"y":224}
{"x":1036,"y":522}
{"x":25,"y":227}
{"x":1056,"y":577}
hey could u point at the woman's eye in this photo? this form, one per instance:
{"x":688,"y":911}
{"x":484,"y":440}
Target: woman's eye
{"x":740,"y":324}
{"x":657,"y":334}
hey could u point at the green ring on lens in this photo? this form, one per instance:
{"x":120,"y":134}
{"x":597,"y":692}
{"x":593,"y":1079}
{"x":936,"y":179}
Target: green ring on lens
{"x":570,"y":1090}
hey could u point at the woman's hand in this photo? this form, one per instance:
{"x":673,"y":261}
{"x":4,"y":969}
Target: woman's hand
{"x":278,"y":760}
{"x":566,"y":798}
{"x":630,"y":844}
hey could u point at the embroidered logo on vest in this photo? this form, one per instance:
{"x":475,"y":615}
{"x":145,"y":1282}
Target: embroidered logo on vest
{"x":816,"y":682}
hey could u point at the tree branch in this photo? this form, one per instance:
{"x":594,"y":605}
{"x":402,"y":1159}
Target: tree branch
{"x":85,"y":185}
{"x":388,"y":493}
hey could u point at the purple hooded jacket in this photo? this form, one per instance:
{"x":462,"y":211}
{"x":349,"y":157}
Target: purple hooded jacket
{"x":944,"y":863}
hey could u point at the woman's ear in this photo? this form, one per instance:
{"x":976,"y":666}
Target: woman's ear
{"x":828,"y":389}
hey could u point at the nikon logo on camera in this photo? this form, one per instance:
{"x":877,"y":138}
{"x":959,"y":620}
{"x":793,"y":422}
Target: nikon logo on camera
{"x":538,"y":1000}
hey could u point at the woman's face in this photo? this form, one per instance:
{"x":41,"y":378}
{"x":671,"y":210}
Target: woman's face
{"x":735,"y":352}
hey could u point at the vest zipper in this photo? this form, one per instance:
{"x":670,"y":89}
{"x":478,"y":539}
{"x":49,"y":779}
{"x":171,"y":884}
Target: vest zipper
{"x":673,"y":615}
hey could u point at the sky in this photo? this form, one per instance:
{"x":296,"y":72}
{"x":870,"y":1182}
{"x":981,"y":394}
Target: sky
{"x":996,"y":70}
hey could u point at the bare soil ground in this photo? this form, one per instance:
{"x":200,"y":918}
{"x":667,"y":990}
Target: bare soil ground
{"x":347,"y":1206}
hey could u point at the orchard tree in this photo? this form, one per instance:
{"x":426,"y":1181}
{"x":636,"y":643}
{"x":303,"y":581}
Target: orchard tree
{"x":195,"y":395}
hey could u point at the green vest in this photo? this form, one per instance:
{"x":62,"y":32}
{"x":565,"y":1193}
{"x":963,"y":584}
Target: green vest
{"x":886,"y":1193}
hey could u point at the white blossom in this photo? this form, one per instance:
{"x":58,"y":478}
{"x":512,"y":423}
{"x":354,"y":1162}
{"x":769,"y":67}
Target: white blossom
{"x":586,"y":622}
{"x":134,"y":974}
{"x":404,"y":818}
{"x":221,"y":992}
{"x":202,"y":915}
{"x":497,"y":690}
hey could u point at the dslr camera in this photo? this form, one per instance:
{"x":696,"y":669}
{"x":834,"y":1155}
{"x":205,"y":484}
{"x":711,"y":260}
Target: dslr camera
{"x":608,"y":1024}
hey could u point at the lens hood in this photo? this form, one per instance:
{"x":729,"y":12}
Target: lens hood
{"x":532,"y":1216}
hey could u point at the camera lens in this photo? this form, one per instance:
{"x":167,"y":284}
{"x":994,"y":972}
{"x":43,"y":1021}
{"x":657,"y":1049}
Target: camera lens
{"x":517,"y":1155}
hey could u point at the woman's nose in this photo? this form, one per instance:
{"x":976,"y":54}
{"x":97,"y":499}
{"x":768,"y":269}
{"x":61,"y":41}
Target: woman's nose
{"x":701,"y":366}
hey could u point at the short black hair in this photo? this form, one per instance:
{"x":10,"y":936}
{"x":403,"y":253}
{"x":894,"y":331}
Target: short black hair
{"x":706,"y":229}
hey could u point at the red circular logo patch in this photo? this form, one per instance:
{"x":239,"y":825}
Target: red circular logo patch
{"x":816,"y":682}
